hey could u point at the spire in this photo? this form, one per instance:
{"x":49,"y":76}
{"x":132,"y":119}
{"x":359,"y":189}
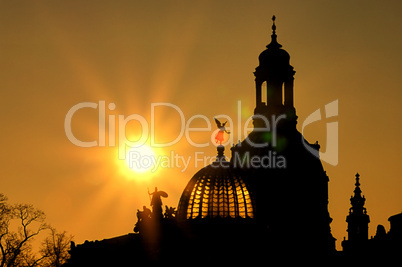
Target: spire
{"x":273,"y":24}
{"x":357,"y":220}
{"x":274,"y":44}
{"x":358,"y":200}
{"x":357,"y":190}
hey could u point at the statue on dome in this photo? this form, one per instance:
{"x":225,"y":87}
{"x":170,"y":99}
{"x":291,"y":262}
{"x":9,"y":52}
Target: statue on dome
{"x":219,"y":136}
{"x":156,"y":202}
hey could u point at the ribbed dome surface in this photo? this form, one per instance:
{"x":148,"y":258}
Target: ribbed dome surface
{"x":216,"y":191}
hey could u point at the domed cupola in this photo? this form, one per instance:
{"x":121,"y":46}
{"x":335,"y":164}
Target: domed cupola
{"x":216,"y":191}
{"x":274,"y":57}
{"x":276,"y":72}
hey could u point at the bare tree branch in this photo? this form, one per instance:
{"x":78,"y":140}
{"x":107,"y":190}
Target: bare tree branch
{"x":16,"y":246}
{"x":55,"y":248}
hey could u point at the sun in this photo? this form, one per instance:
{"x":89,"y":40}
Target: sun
{"x":141,"y":159}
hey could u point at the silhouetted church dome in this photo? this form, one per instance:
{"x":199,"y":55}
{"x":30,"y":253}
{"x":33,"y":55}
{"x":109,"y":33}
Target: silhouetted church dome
{"x":216,"y":191}
{"x":274,"y":57}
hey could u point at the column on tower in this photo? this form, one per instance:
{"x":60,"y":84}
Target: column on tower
{"x":274,"y":92}
{"x":258,"y":90}
{"x":288,"y":101}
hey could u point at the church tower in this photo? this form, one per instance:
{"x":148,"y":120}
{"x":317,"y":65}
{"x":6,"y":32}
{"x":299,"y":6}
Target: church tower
{"x":274,"y":78}
{"x":358,"y":219}
{"x":287,"y":181}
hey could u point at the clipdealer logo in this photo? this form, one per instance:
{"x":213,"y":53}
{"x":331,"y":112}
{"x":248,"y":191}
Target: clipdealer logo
{"x":330,"y":155}
{"x":148,"y":129}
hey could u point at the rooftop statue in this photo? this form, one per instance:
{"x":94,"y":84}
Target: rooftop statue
{"x":219,"y":136}
{"x":156,"y":202}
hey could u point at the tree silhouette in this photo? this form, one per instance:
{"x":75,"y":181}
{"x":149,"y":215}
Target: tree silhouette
{"x":19,"y":225}
{"x":55,"y":248}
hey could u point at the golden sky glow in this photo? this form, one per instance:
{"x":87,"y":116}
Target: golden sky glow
{"x":199,"y":56}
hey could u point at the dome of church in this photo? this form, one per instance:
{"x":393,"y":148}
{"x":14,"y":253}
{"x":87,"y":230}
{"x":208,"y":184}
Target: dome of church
{"x":274,"y":56}
{"x":216,"y":191}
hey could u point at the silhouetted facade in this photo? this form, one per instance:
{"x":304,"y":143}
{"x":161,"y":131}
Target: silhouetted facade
{"x":268,"y":202}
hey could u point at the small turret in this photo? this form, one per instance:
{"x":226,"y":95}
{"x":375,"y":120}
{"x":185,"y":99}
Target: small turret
{"x":357,"y":220}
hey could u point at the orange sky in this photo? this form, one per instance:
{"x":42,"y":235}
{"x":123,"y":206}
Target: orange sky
{"x":199,"y":56}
